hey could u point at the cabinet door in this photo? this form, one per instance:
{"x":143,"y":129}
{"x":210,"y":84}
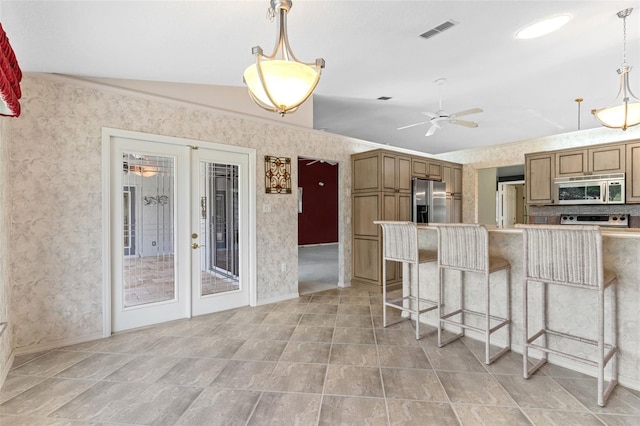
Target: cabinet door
{"x":404,"y":174}
{"x":403,"y":207}
{"x":447,"y":178}
{"x":608,"y":159}
{"x":365,"y":174}
{"x":365,"y":211}
{"x":539,"y":172}
{"x":633,"y":172}
{"x":571,"y":163}
{"x":367,"y":254}
{"x":434,"y":170}
{"x":419,"y":168}
{"x":457,"y":181}
{"x":389,"y":172}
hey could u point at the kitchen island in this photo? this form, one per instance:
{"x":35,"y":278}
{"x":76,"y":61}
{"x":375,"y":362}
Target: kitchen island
{"x":571,"y":309}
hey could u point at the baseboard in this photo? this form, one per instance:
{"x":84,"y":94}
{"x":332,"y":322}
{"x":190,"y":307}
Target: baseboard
{"x":57,"y":344}
{"x":278,"y":299}
{"x":318,"y":244}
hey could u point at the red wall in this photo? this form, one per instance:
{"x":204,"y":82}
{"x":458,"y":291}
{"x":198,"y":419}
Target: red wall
{"x":318,"y":222}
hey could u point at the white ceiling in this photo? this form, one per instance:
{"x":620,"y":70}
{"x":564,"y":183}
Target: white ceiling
{"x":526,"y":88}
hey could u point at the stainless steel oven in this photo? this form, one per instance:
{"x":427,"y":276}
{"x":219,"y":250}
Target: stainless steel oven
{"x":601,"y":189}
{"x":609,"y":220}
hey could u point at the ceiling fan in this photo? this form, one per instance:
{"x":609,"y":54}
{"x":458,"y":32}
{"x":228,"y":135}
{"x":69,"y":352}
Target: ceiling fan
{"x":441,"y":117}
{"x":331,"y":163}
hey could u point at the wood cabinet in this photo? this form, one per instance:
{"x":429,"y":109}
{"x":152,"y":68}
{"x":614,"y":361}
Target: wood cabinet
{"x":452,"y":178}
{"x":598,"y":160}
{"x":633,"y":172}
{"x":381,"y":171}
{"x":425,"y":168}
{"x":539,"y":173}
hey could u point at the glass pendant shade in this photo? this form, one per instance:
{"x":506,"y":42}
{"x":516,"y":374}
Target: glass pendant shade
{"x":280,"y":82}
{"x":624,"y":112}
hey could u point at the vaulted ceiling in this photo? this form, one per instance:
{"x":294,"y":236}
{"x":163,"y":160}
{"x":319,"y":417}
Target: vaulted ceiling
{"x":527,"y":88}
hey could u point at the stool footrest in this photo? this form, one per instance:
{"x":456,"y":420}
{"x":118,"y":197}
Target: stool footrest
{"x":446,"y":320}
{"x":611,"y":350}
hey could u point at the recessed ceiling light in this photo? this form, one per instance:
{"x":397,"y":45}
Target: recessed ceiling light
{"x":543,"y":27}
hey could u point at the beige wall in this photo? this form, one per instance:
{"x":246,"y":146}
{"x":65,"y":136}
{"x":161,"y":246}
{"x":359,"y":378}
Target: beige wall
{"x":6,"y":344}
{"x":55,"y":197}
{"x":513,"y":153}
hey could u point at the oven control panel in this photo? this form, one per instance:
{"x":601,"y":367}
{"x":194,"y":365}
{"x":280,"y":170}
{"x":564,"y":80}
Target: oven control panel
{"x":615,"y":220}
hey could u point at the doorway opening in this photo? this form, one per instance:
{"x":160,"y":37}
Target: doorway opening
{"x":318,"y":235}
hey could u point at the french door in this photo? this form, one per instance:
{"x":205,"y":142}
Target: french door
{"x":179,"y":231}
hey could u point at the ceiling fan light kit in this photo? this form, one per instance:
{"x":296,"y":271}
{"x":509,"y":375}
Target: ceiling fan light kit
{"x":280,"y":82}
{"x":624,"y":112}
{"x":441,"y":117}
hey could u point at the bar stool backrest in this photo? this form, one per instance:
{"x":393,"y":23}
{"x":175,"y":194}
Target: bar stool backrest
{"x":463,"y":246}
{"x":562,"y":254}
{"x":400,"y":241}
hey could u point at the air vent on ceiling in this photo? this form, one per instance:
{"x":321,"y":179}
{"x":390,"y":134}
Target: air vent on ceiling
{"x":384,"y":98}
{"x":440,"y":28}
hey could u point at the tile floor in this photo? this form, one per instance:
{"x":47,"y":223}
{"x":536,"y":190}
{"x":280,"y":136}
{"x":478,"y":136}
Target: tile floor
{"x":322,"y":359}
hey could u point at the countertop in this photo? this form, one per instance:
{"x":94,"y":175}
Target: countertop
{"x":606,"y":232}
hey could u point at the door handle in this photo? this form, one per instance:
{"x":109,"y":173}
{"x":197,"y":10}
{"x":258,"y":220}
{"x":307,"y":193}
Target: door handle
{"x":195,"y":245}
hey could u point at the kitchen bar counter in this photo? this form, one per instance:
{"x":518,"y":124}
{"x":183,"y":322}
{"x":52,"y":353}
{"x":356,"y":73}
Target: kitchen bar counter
{"x":574,"y":309}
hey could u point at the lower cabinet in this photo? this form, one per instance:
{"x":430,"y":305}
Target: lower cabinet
{"x":367,"y":238}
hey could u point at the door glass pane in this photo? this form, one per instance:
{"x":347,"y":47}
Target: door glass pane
{"x":148,"y":272}
{"x":219,"y":271}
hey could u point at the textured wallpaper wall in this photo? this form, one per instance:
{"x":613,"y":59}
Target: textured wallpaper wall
{"x":55,"y":196}
{"x":6,"y":337}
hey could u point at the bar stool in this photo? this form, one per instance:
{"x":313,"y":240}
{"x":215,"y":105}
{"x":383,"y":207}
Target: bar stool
{"x":465,"y":247}
{"x":569,"y":256}
{"x":400,"y":244}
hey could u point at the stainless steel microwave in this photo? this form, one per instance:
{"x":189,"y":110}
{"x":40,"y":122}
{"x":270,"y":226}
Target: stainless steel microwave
{"x":595,"y":189}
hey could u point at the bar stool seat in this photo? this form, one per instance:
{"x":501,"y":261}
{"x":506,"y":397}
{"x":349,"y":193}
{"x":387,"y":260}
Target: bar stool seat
{"x":569,"y":256}
{"x":465,"y":247}
{"x":400,"y":244}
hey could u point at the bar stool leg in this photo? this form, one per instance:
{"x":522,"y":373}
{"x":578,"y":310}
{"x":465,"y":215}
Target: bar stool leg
{"x":384,"y":292}
{"x":508,"y":284}
{"x":417,"y":301}
{"x":440,"y":304}
{"x":601,"y":348}
{"x":487,"y":329}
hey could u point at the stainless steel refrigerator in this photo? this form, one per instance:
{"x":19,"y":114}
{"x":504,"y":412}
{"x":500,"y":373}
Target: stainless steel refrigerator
{"x":429,"y":201}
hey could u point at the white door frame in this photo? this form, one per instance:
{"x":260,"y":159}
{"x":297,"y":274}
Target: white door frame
{"x":499,"y":199}
{"x":107,"y":135}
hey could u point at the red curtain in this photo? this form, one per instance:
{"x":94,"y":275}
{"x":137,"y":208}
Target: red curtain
{"x":10,"y":77}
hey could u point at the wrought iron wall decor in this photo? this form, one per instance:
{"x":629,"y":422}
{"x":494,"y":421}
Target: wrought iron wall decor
{"x":277,"y":175}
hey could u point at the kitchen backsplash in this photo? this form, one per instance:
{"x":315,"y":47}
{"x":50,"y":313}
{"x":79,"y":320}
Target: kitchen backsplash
{"x":551,"y":214}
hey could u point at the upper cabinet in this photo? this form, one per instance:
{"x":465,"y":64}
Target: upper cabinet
{"x":599,"y":160}
{"x":452,"y":177}
{"x":425,"y":168}
{"x":542,"y":168}
{"x":539,"y":172}
{"x":381,"y":171}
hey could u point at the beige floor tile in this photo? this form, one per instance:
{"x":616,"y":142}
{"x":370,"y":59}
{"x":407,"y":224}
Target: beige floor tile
{"x":297,"y":377}
{"x":196,"y":347}
{"x":310,"y":352}
{"x":234,"y":331}
{"x":420,"y":413}
{"x":321,"y":308}
{"x":290,"y":308}
{"x":188,"y":328}
{"x":321,"y":298}
{"x":318,"y":320}
{"x":273,"y":332}
{"x":220,"y":406}
{"x":15,"y":385}
{"x":51,"y":363}
{"x":541,"y":417}
{"x":282,"y":318}
{"x":354,"y":321}
{"x":125,"y":343}
{"x":312,"y":333}
{"x":490,"y":416}
{"x":454,"y":359}
{"x":348,"y":309}
{"x":412,"y":384}
{"x":539,"y":392}
{"x":194,"y":372}
{"x":23,"y":359}
{"x":348,"y":380}
{"x":474,"y":388}
{"x":260,"y":350}
{"x":621,"y":401}
{"x":143,"y":369}
{"x":406,"y":357}
{"x":96,"y":367}
{"x":619,"y":420}
{"x":45,"y":397}
{"x":342,"y":410}
{"x":354,"y":300}
{"x":348,"y":354}
{"x":253,"y":375}
{"x":248,"y":317}
{"x":362,"y":336}
{"x":39,"y":421}
{"x":132,"y":403}
{"x":396,"y":337}
{"x":286,"y":409}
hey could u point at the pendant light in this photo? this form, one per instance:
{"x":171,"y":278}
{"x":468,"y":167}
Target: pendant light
{"x":625,"y":110}
{"x":280,"y":82}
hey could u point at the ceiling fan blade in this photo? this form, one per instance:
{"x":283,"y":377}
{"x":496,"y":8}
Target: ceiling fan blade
{"x":432,"y":130}
{"x":467,"y":112}
{"x":429,"y":114}
{"x":412,"y":125}
{"x":464,"y":123}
